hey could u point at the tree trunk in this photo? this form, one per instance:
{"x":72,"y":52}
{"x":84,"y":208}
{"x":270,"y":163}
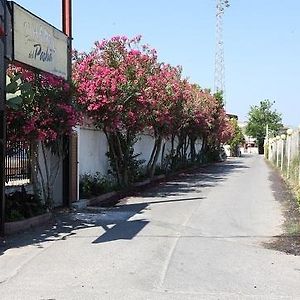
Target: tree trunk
{"x":34,"y":169}
{"x":47,"y":188}
{"x":120,"y":153}
{"x":152,"y":155}
{"x":114,"y":156}
{"x":193,"y":148}
{"x":203,"y":148}
{"x":158,"y":143}
{"x":162,"y":155}
{"x":260,"y":146}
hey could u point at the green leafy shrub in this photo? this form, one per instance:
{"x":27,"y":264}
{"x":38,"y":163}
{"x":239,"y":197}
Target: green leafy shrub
{"x":96,"y":184}
{"x":129,"y":170}
{"x":159,"y":170}
{"x":21,"y":205}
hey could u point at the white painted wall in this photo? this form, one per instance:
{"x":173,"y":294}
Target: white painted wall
{"x":93,"y":147}
{"x":58,"y":187}
{"x":227,"y":150}
{"x":52,"y":161}
{"x":144,"y":146}
{"x":198,"y":145}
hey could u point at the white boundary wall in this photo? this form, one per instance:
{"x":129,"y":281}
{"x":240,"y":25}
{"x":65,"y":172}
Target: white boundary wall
{"x":52,"y":161}
{"x":93,"y":146}
{"x":92,"y":149}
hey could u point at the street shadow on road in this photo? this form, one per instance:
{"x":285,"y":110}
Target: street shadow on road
{"x":60,"y":226}
{"x":116,"y":222}
{"x":126,"y":229}
{"x":196,"y":180}
{"x":178,"y":187}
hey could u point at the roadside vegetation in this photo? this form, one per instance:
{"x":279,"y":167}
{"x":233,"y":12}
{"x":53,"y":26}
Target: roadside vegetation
{"x":122,"y":88}
{"x":280,"y":146}
{"x":261,"y":117}
{"x":237,"y":138}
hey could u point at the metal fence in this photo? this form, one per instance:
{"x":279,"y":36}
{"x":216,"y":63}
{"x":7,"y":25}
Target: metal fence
{"x":17,"y":163}
{"x":284,"y":152}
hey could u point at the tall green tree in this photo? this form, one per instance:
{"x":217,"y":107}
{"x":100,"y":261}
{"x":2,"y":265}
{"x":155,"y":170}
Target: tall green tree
{"x":259,"y":117}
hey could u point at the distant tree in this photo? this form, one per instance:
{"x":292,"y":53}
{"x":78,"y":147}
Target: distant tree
{"x":237,"y":138}
{"x":259,"y":117}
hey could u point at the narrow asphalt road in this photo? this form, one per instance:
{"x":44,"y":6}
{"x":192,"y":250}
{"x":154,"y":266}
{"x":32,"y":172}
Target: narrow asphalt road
{"x":200,"y":236}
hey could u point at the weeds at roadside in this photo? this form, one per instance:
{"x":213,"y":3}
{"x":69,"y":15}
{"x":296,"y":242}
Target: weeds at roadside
{"x":289,"y":197}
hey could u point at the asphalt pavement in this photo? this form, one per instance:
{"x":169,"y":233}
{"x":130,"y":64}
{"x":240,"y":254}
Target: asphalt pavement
{"x":199,"y":236}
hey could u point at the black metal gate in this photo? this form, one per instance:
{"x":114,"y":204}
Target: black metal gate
{"x":17,"y":163}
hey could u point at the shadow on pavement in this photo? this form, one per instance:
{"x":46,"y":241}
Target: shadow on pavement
{"x":116,"y":221}
{"x":124,"y":231}
{"x":203,"y":177}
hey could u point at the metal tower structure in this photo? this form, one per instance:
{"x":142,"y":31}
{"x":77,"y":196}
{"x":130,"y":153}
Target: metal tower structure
{"x":219,"y":79}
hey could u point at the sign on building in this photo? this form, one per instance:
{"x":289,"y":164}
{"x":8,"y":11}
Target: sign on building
{"x":38,"y":44}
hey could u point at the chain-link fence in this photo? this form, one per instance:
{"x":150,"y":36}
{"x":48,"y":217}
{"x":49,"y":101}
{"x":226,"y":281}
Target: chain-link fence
{"x":284,"y":152}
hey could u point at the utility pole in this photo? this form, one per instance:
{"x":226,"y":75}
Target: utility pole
{"x":219,"y":79}
{"x":67,"y":18}
{"x":67,"y":174}
{"x":2,"y":113}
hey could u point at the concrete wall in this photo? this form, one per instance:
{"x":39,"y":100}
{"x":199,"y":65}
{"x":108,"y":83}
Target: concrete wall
{"x":58,"y":187}
{"x":52,"y":162}
{"x":198,"y":145}
{"x":92,"y":149}
{"x":144,"y":147}
{"x":93,"y":146}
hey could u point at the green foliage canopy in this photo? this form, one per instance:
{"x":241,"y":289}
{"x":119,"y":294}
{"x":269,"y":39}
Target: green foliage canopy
{"x":259,"y":117}
{"x":18,"y":92}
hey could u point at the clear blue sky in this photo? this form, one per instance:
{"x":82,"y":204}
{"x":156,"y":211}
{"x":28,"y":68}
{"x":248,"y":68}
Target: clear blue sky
{"x":261,"y":40}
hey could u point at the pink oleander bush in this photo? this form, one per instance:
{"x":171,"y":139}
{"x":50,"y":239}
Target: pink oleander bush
{"x":124,"y":90}
{"x":121,"y":88}
{"x":48,"y":115}
{"x":43,"y":117}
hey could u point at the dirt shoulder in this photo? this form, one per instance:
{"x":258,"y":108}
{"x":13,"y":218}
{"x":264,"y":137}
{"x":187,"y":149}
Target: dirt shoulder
{"x":289,"y":241}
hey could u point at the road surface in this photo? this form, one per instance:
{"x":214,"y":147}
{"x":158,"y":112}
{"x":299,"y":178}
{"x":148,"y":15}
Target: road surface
{"x":200,"y":236}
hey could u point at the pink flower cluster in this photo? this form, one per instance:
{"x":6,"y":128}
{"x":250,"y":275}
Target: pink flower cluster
{"x":48,"y":116}
{"x":110,"y":81}
{"x":122,"y":86}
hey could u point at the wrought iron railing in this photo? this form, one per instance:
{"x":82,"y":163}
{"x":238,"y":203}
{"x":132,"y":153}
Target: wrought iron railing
{"x":17,"y":163}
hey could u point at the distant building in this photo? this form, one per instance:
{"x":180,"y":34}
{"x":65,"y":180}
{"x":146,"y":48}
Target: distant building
{"x":250,"y":142}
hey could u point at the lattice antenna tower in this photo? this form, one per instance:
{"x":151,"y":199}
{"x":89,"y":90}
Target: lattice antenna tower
{"x":219,"y":79}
